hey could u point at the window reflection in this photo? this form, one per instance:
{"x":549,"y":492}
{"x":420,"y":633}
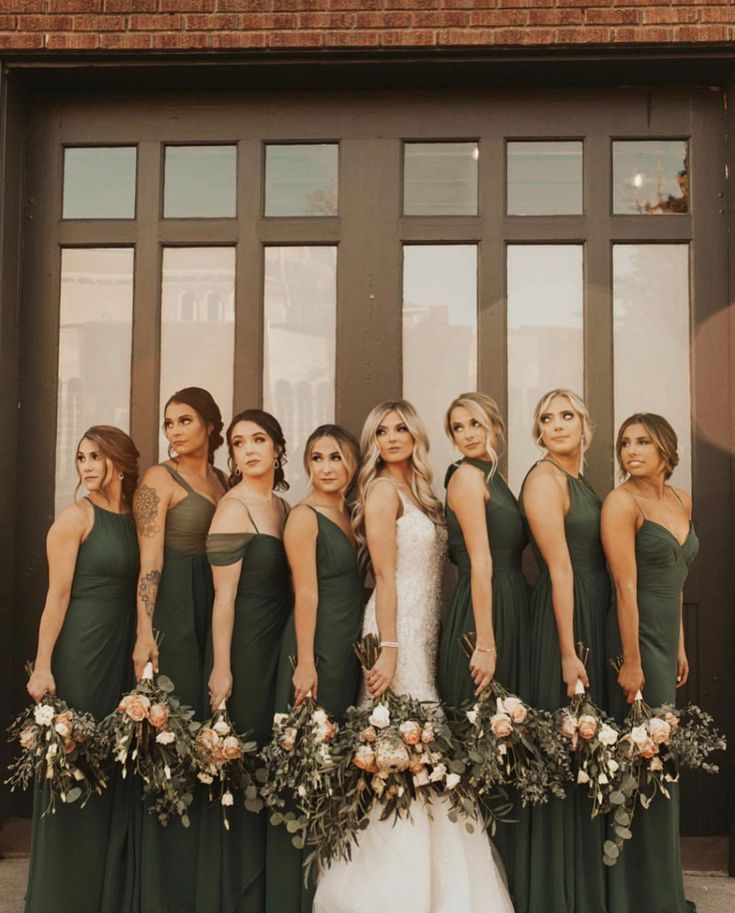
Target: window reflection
{"x":440,"y":179}
{"x":99,"y":182}
{"x":544,"y":178}
{"x":650,"y":177}
{"x":200,"y":182}
{"x":439,"y":336}
{"x":301,"y":179}
{"x":651,"y":333}
{"x":96,"y":309}
{"x":300,"y":304}
{"x":197,"y":340}
{"x":545,"y":345}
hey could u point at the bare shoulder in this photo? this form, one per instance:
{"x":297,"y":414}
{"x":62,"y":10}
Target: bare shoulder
{"x":382,"y":497}
{"x":231,"y":516}
{"x":620,"y":504}
{"x":685,"y":498}
{"x":74,"y":519}
{"x":302,"y":521}
{"x":545,"y":480}
{"x":467,"y":482}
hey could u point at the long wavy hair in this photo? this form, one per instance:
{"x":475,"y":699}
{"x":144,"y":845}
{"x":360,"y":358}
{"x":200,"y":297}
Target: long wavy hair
{"x":484,"y":410}
{"x":371,"y":465}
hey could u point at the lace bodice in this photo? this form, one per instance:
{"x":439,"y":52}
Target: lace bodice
{"x":421,"y":550}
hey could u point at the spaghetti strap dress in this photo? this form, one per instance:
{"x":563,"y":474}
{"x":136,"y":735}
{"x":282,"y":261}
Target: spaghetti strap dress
{"x":182,"y":618}
{"x":508,"y":538}
{"x":231,"y":864}
{"x":648,"y":874}
{"x":567,"y":873}
{"x":338,"y":626}
{"x":85,"y":854}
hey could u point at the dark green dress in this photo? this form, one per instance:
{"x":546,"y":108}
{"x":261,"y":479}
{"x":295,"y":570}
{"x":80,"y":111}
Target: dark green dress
{"x":648,"y":875}
{"x":83,"y":856}
{"x":508,"y":537}
{"x":232,"y":863}
{"x":182,"y":617}
{"x":567,"y":872}
{"x":338,"y":627}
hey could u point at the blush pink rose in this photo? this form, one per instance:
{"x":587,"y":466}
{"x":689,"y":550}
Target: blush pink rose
{"x":568,"y":726}
{"x":231,"y":748}
{"x":369,"y":734}
{"x":365,"y":759}
{"x":158,"y":716}
{"x":138,"y":707}
{"x":587,"y":727}
{"x":501,"y":725}
{"x":648,"y":749}
{"x":410,"y":732}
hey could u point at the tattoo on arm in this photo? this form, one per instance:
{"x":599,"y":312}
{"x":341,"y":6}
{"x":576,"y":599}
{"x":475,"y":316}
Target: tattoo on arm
{"x":145,"y":509}
{"x":148,"y":591}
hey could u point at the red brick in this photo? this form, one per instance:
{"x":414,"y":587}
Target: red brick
{"x":98,"y":23}
{"x":408,"y":38}
{"x":292,"y":6}
{"x":382,"y":20}
{"x":238,"y":40}
{"x":186,"y":6}
{"x":29,"y":6}
{"x":181,"y":40}
{"x":700,"y":33}
{"x":295,"y":39}
{"x":587,"y":35}
{"x":586,"y":3}
{"x":413,"y":4}
{"x":15,"y":42}
{"x":131,"y":6}
{"x":218,"y":22}
{"x":326,"y":20}
{"x":126,"y":41}
{"x":474,"y":4}
{"x":555,"y":17}
{"x":243,"y":6}
{"x":81,"y":41}
{"x":445,"y":19}
{"x":75,"y":6}
{"x":269,"y":21}
{"x":643,"y":34}
{"x":352,"y":38}
{"x":164,"y":22}
{"x":499,"y":17}
{"x":612,"y":17}
{"x":645,"y":2}
{"x":512,"y":4}
{"x":450,"y":37}
{"x":359,"y":5}
{"x":538,"y":36}
{"x":659,"y":15}
{"x":717,"y":15}
{"x":625,"y":35}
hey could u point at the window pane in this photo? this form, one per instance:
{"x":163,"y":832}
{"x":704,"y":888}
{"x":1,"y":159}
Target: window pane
{"x":545,"y":345}
{"x":300,"y":335}
{"x":99,"y":182}
{"x":544,"y":178}
{"x":301,"y":180}
{"x":651,"y":333}
{"x":200,"y":182}
{"x":95,"y":327}
{"x":650,"y":176}
{"x":439,"y":336}
{"x":198,"y":327}
{"x":440,"y":179}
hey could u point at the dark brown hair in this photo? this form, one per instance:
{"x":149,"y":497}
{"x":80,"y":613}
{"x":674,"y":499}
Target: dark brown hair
{"x":202,"y":402}
{"x":272,"y":428}
{"x":662,"y":435}
{"x":119,"y":448}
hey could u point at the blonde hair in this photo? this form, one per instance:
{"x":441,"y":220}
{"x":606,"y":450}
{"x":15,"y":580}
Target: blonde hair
{"x":371,"y":464}
{"x":346,"y":443}
{"x":661,"y":433}
{"x":578,"y":405}
{"x":484,"y":410}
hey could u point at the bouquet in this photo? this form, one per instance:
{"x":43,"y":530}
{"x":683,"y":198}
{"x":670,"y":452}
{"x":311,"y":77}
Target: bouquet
{"x":510,"y":744}
{"x":153,"y":733}
{"x":229,"y":760}
{"x":63,"y":748}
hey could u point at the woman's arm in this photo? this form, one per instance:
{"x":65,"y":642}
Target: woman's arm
{"x":150,"y":503}
{"x":618,"y":529}
{"x":466,"y":496}
{"x":300,"y":537}
{"x":62,"y":547}
{"x":545,"y":502}
{"x":382,"y":506}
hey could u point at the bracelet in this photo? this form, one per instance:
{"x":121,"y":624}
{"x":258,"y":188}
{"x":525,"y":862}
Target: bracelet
{"x":493,"y":650}
{"x":389,"y":643}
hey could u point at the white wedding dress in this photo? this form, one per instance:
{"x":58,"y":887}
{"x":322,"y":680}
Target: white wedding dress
{"x":425,"y":864}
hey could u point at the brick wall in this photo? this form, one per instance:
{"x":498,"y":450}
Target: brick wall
{"x":115,"y":25}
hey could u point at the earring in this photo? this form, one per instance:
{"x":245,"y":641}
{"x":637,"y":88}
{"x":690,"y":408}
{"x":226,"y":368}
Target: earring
{"x":121,"y":475}
{"x":238,"y":471}
{"x":171,"y":452}
{"x":277,"y":463}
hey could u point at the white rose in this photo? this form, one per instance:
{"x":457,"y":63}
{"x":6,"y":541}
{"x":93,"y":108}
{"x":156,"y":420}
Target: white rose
{"x":62,"y":729}
{"x":472,"y":715}
{"x":380,"y":717}
{"x":319,"y":717}
{"x":278,"y":718}
{"x":639,"y":734}
{"x":221,"y":728}
{"x":613,"y":766}
{"x":582,"y":777}
{"x":452,"y":780}
{"x":438,"y":773}
{"x":44,"y":715}
{"x":166,"y":737}
{"x":607,"y":735}
{"x":228,"y":798}
{"x":660,"y":731}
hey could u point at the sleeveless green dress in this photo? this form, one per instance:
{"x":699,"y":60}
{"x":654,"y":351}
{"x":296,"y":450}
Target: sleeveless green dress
{"x":648,"y":875}
{"x":508,"y":538}
{"x":231,"y":865}
{"x":338,"y":627}
{"x":84,"y":854}
{"x":183,"y":617}
{"x":567,"y":872}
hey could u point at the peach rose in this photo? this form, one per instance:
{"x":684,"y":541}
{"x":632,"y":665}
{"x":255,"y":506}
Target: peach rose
{"x":69,"y":746}
{"x":28,"y":737}
{"x":515,"y":708}
{"x":501,"y":725}
{"x":587,"y":727}
{"x":672,"y":719}
{"x":660,"y":731}
{"x":365,"y":759}
{"x":427,"y":733}
{"x":138,"y":707}
{"x":648,"y":749}
{"x":231,"y":748}
{"x":369,"y":734}
{"x":207,"y":738}
{"x":568,"y":725}
{"x":124,"y":701}
{"x":158,"y":716}
{"x":410,"y":732}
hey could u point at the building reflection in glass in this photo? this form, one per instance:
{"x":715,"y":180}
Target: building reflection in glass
{"x":650,"y":177}
{"x":95,"y":326}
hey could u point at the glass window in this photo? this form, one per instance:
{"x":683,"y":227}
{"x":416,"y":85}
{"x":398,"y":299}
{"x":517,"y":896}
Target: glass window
{"x":650,"y":177}
{"x":95,"y":331}
{"x":300,"y":338}
{"x":651,"y":333}
{"x":301,"y":179}
{"x":198,"y":341}
{"x":544,"y":178}
{"x":439,"y":336}
{"x":440,"y":179}
{"x":200,"y":182}
{"x":99,"y":182}
{"x":545,"y":344}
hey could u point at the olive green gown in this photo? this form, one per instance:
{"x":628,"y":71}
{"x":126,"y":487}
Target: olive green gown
{"x":508,"y":538}
{"x":231,"y":866}
{"x":338,"y":627}
{"x":567,"y":872}
{"x":182,"y":618}
{"x":648,"y":875}
{"x":82,"y":857}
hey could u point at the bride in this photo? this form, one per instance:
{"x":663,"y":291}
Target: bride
{"x":424,"y":863}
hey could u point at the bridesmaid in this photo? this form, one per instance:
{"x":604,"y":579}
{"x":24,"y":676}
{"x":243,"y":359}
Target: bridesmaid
{"x":324,"y":626}
{"x":84,"y":643}
{"x":487,"y":536}
{"x":650,"y":543}
{"x":173,"y":509}
{"x":252,"y":602}
{"x":569,"y":603}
